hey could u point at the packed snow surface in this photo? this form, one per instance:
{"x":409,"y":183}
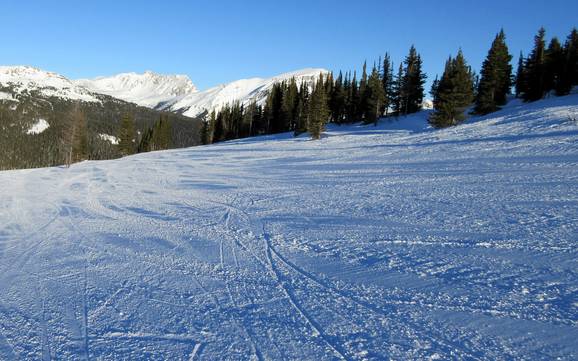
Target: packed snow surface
{"x":388,"y":242}
{"x":40,"y":126}
{"x":27,"y":79}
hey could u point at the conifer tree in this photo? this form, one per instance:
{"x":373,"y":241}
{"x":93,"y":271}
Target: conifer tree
{"x":207,"y":129}
{"x":318,"y":110}
{"x":302,"y":110}
{"x":353,"y":100}
{"x":362,"y":100}
{"x":520,"y":77}
{"x":338,"y":99}
{"x":534,"y":82}
{"x":127,"y":135}
{"x":289,"y":105}
{"x":569,"y":71}
{"x":397,"y":91}
{"x":554,"y":64}
{"x":387,"y":84}
{"x":375,"y":97}
{"x":496,"y":77}
{"x":455,"y":92}
{"x":411,"y":89}
{"x":76,"y":137}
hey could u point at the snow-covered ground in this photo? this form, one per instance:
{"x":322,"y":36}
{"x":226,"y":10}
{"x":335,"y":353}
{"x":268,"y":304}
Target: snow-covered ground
{"x":395,"y":241}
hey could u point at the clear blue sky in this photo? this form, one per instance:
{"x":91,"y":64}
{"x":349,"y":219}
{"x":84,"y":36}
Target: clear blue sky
{"x":220,"y":41}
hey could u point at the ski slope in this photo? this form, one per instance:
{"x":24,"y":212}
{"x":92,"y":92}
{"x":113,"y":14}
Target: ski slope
{"x":388,"y":242}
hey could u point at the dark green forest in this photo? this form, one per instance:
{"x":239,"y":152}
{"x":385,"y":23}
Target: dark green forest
{"x":75,"y":128}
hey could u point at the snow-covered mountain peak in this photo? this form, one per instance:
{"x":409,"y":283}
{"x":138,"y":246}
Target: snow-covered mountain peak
{"x":147,"y":89}
{"x":26,"y":78}
{"x":243,"y":91}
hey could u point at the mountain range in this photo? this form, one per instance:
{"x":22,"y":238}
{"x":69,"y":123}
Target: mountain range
{"x":36,"y":107}
{"x":178,"y":94}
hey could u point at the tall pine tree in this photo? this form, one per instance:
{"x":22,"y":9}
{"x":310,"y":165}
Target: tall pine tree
{"x":318,"y":110}
{"x":411,"y":90}
{"x":496,"y":77}
{"x":534,"y":81}
{"x":454,"y":93}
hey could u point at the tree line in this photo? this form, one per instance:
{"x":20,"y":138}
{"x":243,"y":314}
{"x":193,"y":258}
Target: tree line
{"x":384,"y":91}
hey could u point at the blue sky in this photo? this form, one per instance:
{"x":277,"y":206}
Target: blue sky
{"x":220,"y":41}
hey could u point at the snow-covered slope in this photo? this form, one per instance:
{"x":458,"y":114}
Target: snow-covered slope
{"x":389,"y":242}
{"x":25,"y":78}
{"x":176,"y":93}
{"x":148,"y":89}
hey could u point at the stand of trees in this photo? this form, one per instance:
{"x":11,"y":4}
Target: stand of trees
{"x":308,"y":107}
{"x":290,"y":106}
{"x":548,"y":70}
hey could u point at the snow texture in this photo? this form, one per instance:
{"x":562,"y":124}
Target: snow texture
{"x":26,"y":79}
{"x":40,"y":126}
{"x":388,"y":242}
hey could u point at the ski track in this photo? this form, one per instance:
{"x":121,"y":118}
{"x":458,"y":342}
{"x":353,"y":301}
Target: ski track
{"x":387,"y":242}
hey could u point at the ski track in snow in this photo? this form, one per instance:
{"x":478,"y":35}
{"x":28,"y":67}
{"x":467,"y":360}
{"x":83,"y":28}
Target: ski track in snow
{"x":387,"y":242}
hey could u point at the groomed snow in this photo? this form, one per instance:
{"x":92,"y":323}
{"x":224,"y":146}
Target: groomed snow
{"x":388,"y":242}
{"x":40,"y":126}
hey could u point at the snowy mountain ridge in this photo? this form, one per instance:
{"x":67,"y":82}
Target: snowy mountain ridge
{"x":172,"y":93}
{"x":148,"y":89}
{"x":176,"y":93}
{"x":243,"y":91}
{"x":22,"y":78}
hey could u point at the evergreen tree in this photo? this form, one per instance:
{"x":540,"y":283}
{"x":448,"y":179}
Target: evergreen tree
{"x":534,"y":82}
{"x":554,"y":64}
{"x":569,"y":71}
{"x":387,"y":84}
{"x":76,"y":137}
{"x":161,"y":134}
{"x":207,"y":129}
{"x":127,"y":135}
{"x":454,"y":93}
{"x":496,"y":77}
{"x":397,"y":91}
{"x":302,"y":110}
{"x":289,"y":105}
{"x":353,"y":100}
{"x":434,"y":89}
{"x":318,"y":110}
{"x":375,"y":97}
{"x":338,"y":99}
{"x":411,"y":89}
{"x":520,"y":77}
{"x":361,"y":106}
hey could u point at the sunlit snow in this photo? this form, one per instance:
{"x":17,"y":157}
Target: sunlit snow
{"x":390,"y":242}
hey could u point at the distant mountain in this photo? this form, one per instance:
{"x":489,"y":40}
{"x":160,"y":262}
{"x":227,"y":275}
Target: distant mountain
{"x":176,"y":93}
{"x":26,"y":79}
{"x":148,"y":89}
{"x":36,"y":108}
